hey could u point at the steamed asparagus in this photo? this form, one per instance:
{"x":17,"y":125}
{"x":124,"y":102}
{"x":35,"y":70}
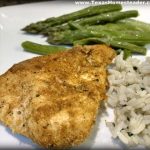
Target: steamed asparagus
{"x":95,"y":24}
{"x":139,"y":25}
{"x":111,"y":32}
{"x":98,"y":19}
{"x":127,"y":53}
{"x":115,"y":44}
{"x":86,"y":12}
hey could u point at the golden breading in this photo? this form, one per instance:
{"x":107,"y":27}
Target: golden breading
{"x":54,"y":99}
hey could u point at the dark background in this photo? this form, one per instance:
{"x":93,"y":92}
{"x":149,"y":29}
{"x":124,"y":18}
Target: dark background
{"x":14,"y":2}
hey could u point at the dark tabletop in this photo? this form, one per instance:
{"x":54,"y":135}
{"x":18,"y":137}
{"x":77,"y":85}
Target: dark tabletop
{"x":14,"y":2}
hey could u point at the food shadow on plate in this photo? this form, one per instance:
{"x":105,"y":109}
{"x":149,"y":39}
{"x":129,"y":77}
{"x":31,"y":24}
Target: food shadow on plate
{"x":116,"y":142}
{"x":23,"y":141}
{"x":89,"y":142}
{"x":121,"y":145}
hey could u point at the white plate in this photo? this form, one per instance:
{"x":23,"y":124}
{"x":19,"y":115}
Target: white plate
{"x":12,"y":19}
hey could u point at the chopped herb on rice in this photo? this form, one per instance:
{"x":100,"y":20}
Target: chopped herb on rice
{"x":129,"y":96}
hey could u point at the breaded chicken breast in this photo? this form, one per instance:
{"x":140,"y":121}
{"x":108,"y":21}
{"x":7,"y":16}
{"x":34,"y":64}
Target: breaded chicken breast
{"x":54,"y":99}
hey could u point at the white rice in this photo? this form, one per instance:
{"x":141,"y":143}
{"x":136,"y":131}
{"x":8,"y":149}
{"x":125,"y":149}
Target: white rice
{"x":129,"y":96}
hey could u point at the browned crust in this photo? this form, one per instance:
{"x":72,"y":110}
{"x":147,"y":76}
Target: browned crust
{"x":54,"y":99}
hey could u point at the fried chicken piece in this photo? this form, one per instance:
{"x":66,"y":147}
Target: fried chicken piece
{"x":54,"y":99}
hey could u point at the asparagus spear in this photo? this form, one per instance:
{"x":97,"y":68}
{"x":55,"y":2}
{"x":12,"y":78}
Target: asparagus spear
{"x":70,"y":25}
{"x":42,"y":49}
{"x":108,"y":17}
{"x":127,"y":53}
{"x":86,"y":12}
{"x":111,"y":32}
{"x":115,"y":44}
{"x":98,"y":19}
{"x":139,"y":25}
{"x":125,"y":24}
{"x":74,"y":25}
{"x":67,"y":37}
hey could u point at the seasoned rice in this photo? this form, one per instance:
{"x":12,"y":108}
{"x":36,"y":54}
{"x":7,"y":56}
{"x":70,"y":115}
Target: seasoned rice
{"x":129,"y":96}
